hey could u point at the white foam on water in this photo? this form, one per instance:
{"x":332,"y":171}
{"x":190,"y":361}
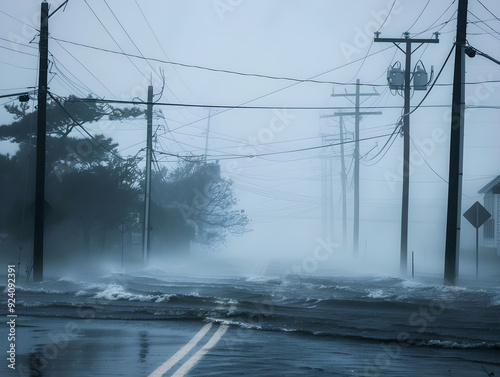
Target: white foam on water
{"x":116,"y":292}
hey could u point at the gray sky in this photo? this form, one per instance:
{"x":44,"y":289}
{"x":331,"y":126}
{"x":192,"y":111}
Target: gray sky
{"x":326,"y":40}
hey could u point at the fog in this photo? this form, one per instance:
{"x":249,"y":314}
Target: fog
{"x":274,"y":156}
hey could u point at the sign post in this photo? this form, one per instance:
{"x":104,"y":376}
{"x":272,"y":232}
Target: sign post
{"x":123,"y":228}
{"x":477,"y":215}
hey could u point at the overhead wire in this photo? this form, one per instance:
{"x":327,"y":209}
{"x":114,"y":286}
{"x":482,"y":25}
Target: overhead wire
{"x":130,"y":38}
{"x":24,"y":23}
{"x":238,"y":156}
{"x":114,"y":40}
{"x":371,"y":42}
{"x":485,"y":24}
{"x":420,"y":15}
{"x":430,"y":167}
{"x":87,"y":69}
{"x":19,"y":52}
{"x":285,"y":78}
{"x":161,"y":46}
{"x":19,"y":43}
{"x":490,"y":12}
{"x":58,"y":103}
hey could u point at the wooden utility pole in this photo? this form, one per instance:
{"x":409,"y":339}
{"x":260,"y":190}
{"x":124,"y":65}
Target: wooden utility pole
{"x":41,"y":145}
{"x":456,"y":151}
{"x":343,"y":178}
{"x":407,"y":41}
{"x":327,"y":190}
{"x":208,"y":134}
{"x":357,"y":114}
{"x":147,"y":185}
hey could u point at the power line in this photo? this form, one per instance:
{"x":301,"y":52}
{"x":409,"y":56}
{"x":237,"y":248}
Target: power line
{"x":237,"y":156}
{"x":432,"y":86}
{"x":420,"y":15}
{"x":114,"y":40}
{"x":161,"y":46}
{"x":297,"y":80}
{"x":19,"y":52}
{"x":285,"y":78}
{"x":18,"y":66}
{"x":371,"y":42}
{"x":493,"y":30}
{"x":85,"y":67}
{"x":484,"y":6}
{"x":245,"y":107}
{"x":129,"y":37}
{"x":84,"y":129}
{"x":20,"y":44}
{"x":24,"y":23}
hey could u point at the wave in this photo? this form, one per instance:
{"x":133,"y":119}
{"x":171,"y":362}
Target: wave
{"x":495,"y":301}
{"x":456,"y":345}
{"x":437,"y":343}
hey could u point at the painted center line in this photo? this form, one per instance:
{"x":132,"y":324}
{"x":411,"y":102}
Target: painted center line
{"x":186,"y":367}
{"x":162,"y":369}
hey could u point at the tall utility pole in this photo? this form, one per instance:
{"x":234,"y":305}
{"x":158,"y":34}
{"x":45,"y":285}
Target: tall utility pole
{"x":40,"y":145}
{"x":357,"y":114}
{"x":343,"y":179}
{"x":357,"y":117}
{"x":406,"y":135}
{"x":327,"y":192}
{"x":456,"y":151}
{"x":147,"y":186}
{"x":327,"y":205}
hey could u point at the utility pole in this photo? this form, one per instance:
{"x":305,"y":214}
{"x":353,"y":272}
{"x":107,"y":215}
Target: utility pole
{"x":343,"y":179}
{"x":208,"y":131}
{"x":147,"y":186}
{"x":357,"y":117}
{"x":324,"y":212}
{"x":456,"y":151}
{"x":357,"y":114}
{"x":327,"y":207}
{"x":407,"y":41}
{"x":327,"y":186}
{"x":41,"y":144}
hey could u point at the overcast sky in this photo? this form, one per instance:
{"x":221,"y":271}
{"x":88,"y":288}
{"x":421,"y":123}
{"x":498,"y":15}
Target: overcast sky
{"x":328,"y":41}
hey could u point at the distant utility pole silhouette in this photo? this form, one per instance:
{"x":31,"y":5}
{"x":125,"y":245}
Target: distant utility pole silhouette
{"x":406,"y":131}
{"x":327,"y":203}
{"x":357,"y":114}
{"x":146,"y":231}
{"x":343,"y":178}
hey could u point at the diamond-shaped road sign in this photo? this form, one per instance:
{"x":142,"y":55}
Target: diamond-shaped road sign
{"x":477,"y":215}
{"x":123,"y":227}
